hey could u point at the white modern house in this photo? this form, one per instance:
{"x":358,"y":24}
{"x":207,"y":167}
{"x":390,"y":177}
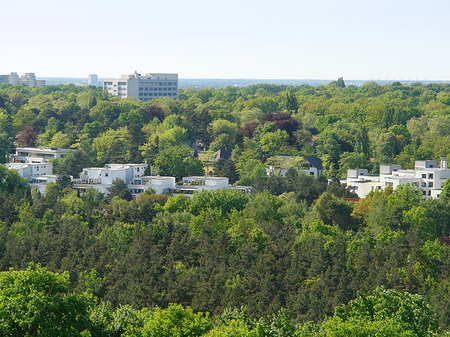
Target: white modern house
{"x":101,"y":178}
{"x":427,"y":175}
{"x":143,"y":87}
{"x":38,"y":174}
{"x":280,"y":164}
{"x":36,"y":154}
{"x":199,"y":183}
{"x":31,"y":170}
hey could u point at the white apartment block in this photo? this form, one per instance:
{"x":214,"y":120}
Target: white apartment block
{"x":144,"y":88}
{"x":28,"y":79}
{"x":36,"y":154}
{"x":426,"y":175}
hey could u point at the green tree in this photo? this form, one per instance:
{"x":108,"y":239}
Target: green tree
{"x":385,"y":313}
{"x":36,"y":302}
{"x":119,"y":189}
{"x":177,"y":161}
{"x":176,"y":321}
{"x":291,"y":102}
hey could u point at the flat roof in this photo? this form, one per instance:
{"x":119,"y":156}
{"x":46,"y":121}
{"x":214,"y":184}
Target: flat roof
{"x":42,"y":149}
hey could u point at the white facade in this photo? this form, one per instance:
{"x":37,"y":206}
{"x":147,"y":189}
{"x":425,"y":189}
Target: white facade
{"x":36,"y":154}
{"x":12,"y":78}
{"x":151,"y":85}
{"x":198,"y":183}
{"x":101,"y":178}
{"x":31,"y":170}
{"x":38,"y":174}
{"x":93,"y":80}
{"x":426,"y":175}
{"x":158,"y":183}
{"x":28,"y":79}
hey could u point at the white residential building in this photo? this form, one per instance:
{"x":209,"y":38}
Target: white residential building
{"x":280,"y":164}
{"x":199,"y":183}
{"x":93,"y":80}
{"x":36,"y":154}
{"x":28,"y":79}
{"x":12,"y":78}
{"x":101,"y":178}
{"x":152,"y":85}
{"x":38,"y":174}
{"x":426,"y":175}
{"x":31,"y":170}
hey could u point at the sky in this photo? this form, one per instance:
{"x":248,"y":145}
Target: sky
{"x":284,"y":39}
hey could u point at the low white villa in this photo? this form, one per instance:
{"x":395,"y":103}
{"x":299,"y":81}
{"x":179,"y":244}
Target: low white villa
{"x":36,"y":154}
{"x":101,"y":178}
{"x":199,"y":183}
{"x":280,"y":164}
{"x":427,"y":175}
{"x":38,"y":174}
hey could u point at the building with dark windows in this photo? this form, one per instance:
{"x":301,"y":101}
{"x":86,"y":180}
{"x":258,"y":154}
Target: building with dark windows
{"x":143,"y":87}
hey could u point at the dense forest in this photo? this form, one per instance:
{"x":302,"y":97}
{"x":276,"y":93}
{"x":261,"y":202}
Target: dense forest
{"x":293,"y":257}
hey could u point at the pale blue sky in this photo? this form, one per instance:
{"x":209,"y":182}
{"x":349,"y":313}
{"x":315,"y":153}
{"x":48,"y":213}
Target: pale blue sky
{"x":228,"y":39}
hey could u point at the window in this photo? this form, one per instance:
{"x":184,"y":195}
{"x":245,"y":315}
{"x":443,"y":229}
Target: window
{"x":106,"y":174}
{"x":429,"y":193}
{"x":430,"y":175}
{"x":430,"y":184}
{"x":424,"y":184}
{"x":424,"y":176}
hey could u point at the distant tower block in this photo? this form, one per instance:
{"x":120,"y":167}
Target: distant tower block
{"x":93,"y":79}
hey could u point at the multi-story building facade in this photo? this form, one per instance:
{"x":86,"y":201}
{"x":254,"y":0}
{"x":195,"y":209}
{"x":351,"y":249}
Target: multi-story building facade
{"x":28,"y":79}
{"x":12,"y":78}
{"x":426,"y":175}
{"x":145,"y":87}
{"x":93,"y":80}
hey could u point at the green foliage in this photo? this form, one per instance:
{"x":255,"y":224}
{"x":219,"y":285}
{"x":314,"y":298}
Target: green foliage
{"x":36,"y":302}
{"x":178,"y":162}
{"x":176,"y":321}
{"x":119,"y":189}
{"x":284,"y":248}
{"x":224,"y":200}
{"x":385,"y":313}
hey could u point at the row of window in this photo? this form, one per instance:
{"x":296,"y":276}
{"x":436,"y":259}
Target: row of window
{"x":157,"y":94}
{"x":156,"y":89}
{"x":157,"y":83}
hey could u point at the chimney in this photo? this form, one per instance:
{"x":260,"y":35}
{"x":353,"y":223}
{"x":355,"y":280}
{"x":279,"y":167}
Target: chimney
{"x":443,"y":163}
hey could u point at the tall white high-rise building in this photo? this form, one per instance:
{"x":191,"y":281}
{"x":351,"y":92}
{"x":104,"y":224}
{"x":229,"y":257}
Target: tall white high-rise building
{"x":93,"y":80}
{"x":145,"y":87}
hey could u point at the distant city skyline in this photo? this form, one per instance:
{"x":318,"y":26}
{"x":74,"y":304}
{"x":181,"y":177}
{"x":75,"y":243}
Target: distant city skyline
{"x":245,"y":39}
